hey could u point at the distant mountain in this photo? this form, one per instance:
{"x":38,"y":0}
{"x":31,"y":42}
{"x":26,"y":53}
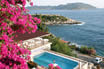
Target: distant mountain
{"x":72,"y":6}
{"x":69,"y":6}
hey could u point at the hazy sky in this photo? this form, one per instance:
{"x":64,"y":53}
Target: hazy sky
{"x":97,"y":3}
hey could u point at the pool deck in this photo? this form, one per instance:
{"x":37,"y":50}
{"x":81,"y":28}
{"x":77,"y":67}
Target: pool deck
{"x":81,"y":63}
{"x":36,"y":53}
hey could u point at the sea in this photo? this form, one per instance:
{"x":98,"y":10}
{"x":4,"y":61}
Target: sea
{"x":89,"y":33}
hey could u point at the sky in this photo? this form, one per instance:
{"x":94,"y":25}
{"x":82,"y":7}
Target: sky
{"x":96,"y":3}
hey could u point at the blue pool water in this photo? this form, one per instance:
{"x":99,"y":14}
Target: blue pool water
{"x":47,"y":58}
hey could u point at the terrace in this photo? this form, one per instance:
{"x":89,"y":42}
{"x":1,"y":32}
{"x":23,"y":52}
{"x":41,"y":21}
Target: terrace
{"x":33,"y":40}
{"x":35,"y":43}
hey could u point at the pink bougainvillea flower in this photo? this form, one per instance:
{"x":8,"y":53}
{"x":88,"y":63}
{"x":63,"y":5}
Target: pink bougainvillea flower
{"x":58,"y":67}
{"x":31,"y":3}
{"x":52,"y":66}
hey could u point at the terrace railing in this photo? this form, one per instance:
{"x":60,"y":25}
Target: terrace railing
{"x":35,"y":42}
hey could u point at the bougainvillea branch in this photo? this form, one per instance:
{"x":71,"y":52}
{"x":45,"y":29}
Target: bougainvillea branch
{"x":13,"y":18}
{"x":51,"y":66}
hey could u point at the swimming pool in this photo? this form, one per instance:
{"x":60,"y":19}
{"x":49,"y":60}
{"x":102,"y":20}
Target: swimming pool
{"x":47,"y":58}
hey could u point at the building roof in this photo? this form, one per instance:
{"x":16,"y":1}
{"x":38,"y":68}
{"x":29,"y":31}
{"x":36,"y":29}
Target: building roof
{"x":64,"y":41}
{"x":27,"y":36}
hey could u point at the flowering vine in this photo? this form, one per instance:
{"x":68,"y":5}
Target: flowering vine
{"x":51,"y":66}
{"x":13,"y":18}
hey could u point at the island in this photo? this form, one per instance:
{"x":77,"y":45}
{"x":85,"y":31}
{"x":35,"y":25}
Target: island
{"x":68,"y":6}
{"x":55,"y":19}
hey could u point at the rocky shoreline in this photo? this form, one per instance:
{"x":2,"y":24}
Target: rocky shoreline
{"x":69,"y":21}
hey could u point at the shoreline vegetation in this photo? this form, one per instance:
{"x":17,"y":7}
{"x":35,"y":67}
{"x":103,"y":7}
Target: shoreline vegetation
{"x":63,"y":46}
{"x":50,"y":19}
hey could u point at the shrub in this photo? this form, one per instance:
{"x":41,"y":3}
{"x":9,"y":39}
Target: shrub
{"x":42,"y":27}
{"x":84,"y":49}
{"x":73,"y":47}
{"x":92,"y":51}
{"x":59,"y":46}
{"x":87,"y":50}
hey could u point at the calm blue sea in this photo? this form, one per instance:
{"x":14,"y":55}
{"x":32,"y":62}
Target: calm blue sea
{"x":90,"y":34}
